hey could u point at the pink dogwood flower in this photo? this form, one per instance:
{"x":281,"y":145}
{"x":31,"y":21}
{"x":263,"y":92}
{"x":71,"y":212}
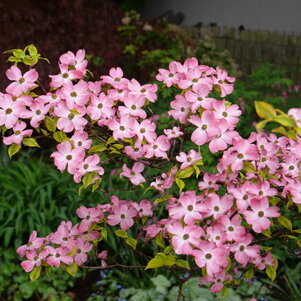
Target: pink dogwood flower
{"x":189,"y":159}
{"x":69,"y":157}
{"x":122,"y":215}
{"x":261,"y":211}
{"x":212,"y":257}
{"x":184,"y":237}
{"x":22,"y":83}
{"x":19,"y":133}
{"x":133,"y":174}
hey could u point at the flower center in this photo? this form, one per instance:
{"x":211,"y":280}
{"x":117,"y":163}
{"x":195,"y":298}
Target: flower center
{"x":231,"y":229}
{"x":216,"y":208}
{"x":68,"y":157}
{"x":70,"y":116}
{"x":260,"y":213}
{"x":208,"y":256}
{"x":185,"y":236}
{"x":21,"y":80}
{"x":190,"y":208}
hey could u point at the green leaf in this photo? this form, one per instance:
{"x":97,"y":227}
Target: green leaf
{"x":45,"y":59}
{"x":297,"y":130}
{"x":32,"y":50}
{"x":224,"y":292}
{"x":274,"y":200}
{"x":197,"y":170}
{"x":249,"y":274}
{"x":131,"y":242}
{"x":265,"y":110}
{"x":72,"y":269}
{"x":104,"y":234}
{"x":180,"y":184}
{"x":60,"y":136}
{"x":168,"y":249}
{"x":155,"y":263}
{"x":121,"y":233}
{"x":271,"y":271}
{"x":50,"y":124}
{"x":88,"y":179}
{"x":35,"y":273}
{"x":13,"y":149}
{"x":30,"y":142}
{"x":285,"y":120}
{"x":111,"y":140}
{"x":297,"y":231}
{"x":183,"y":264}
{"x":19,"y":53}
{"x":167,"y":197}
{"x":292,"y":237}
{"x":260,"y":125}
{"x":199,"y":162}
{"x":159,"y":240}
{"x":299,"y":242}
{"x":73,"y":251}
{"x":280,"y":130}
{"x":285,"y":222}
{"x":27,"y":60}
{"x":169,"y":260}
{"x":267,"y":233}
{"x":96,"y":184}
{"x":249,"y":167}
{"x":13,"y":59}
{"x":97,"y":148}
{"x":185,"y":173}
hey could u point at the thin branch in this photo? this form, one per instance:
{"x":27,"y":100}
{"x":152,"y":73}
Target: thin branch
{"x":114,"y":266}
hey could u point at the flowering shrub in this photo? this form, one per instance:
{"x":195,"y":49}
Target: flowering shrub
{"x":210,"y":224}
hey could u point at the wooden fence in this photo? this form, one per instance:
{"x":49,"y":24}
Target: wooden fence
{"x":250,"y":48}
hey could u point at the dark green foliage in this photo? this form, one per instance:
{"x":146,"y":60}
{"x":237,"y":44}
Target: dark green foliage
{"x":267,"y":83}
{"x":16,"y":286}
{"x":36,"y":196}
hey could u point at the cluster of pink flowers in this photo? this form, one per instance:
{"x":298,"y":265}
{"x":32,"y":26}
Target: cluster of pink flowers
{"x":71,"y":243}
{"x":209,"y":226}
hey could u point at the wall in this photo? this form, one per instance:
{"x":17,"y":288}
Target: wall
{"x":271,"y":15}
